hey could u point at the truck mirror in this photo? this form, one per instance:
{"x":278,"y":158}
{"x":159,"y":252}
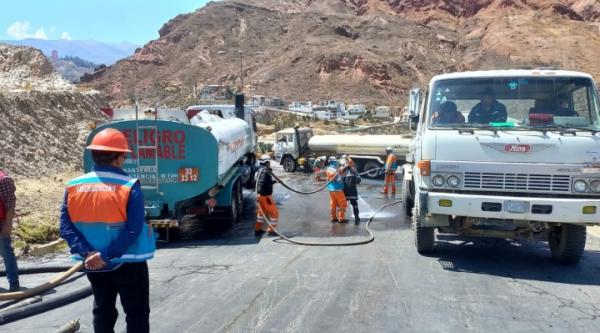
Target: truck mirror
{"x":414,"y":100}
{"x":413,"y":121}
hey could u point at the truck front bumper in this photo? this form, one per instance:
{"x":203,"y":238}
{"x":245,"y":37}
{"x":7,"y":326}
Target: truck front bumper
{"x":571,"y":210}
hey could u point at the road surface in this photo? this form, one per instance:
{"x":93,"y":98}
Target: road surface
{"x":235,"y":282}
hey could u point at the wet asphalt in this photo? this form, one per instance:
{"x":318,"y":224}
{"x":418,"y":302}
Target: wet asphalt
{"x":235,"y":282}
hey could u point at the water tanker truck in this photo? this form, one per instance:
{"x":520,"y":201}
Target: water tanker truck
{"x":298,"y":148}
{"x":190,"y":162}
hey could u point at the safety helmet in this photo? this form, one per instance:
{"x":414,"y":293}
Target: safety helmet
{"x":332,"y":159}
{"x":265,"y":158}
{"x":110,"y":139}
{"x":344,"y":156}
{"x":390,"y":149}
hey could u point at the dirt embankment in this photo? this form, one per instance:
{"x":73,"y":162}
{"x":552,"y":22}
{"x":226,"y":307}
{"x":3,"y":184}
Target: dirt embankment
{"x":44,"y":122}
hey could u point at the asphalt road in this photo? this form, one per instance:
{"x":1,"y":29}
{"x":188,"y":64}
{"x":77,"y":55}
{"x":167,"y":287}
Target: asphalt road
{"x":235,"y":282}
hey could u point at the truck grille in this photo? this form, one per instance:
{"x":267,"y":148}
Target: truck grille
{"x":517,"y":182}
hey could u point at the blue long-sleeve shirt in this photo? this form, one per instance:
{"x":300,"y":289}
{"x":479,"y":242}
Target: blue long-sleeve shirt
{"x":132,"y":229}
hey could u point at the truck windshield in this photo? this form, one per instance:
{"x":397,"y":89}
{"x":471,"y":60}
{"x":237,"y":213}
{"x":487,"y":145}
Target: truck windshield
{"x":514,"y":102}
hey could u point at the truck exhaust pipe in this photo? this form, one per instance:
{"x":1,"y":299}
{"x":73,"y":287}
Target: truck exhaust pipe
{"x":239,"y":106}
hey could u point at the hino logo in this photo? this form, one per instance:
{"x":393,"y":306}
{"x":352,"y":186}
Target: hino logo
{"x":512,"y":148}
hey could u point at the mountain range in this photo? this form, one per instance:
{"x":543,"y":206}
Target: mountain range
{"x":90,"y":50}
{"x":369,"y":51}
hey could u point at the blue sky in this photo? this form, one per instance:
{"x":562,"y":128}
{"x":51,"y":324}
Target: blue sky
{"x":113,"y":21}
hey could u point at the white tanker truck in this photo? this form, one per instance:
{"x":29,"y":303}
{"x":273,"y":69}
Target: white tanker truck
{"x":297,"y":148}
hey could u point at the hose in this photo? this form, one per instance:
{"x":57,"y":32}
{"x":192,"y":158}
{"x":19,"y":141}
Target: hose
{"x":11,"y":315}
{"x":369,"y":239}
{"x":56,"y":280}
{"x":70,"y":327}
{"x":316,"y":190}
{"x":39,"y":269}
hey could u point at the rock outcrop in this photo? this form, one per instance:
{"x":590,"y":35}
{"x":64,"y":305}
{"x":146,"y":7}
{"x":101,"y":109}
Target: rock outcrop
{"x":370,"y":51}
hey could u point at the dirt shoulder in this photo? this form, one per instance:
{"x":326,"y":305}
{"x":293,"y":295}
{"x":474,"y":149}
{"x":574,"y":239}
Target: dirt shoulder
{"x":38,"y":206}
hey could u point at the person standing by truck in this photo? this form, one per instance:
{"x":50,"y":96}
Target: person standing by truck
{"x":102,"y":220}
{"x":7,"y":213}
{"x":350,"y":179}
{"x":265,"y":205}
{"x":390,"y":167}
{"x":337,"y":199}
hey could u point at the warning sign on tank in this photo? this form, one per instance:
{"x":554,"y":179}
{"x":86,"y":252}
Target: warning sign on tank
{"x":189,"y":175}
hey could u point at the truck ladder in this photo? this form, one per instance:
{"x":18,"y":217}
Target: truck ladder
{"x":151,"y":169}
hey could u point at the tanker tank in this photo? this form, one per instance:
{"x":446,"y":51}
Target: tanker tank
{"x":358,"y":144}
{"x":232,"y":135}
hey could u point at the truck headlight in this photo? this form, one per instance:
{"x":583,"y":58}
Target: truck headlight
{"x":438,"y":180}
{"x":580,"y":186}
{"x":454,"y":181}
{"x":595,"y":186}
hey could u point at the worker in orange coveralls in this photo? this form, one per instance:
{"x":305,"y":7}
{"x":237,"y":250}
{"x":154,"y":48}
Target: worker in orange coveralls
{"x":264,"y":199}
{"x":390,"y":167}
{"x":337,"y":199}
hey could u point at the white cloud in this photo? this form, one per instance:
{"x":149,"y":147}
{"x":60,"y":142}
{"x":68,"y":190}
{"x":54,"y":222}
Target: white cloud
{"x":66,"y":35}
{"x":40,"y":34}
{"x":22,"y":30}
{"x":18,"y":29}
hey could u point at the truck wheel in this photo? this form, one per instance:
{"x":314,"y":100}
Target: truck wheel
{"x":288,"y":163}
{"x":407,"y":199}
{"x":567,"y":243}
{"x":236,"y":205}
{"x":424,"y":236}
{"x":373,"y":169}
{"x":248,"y":170}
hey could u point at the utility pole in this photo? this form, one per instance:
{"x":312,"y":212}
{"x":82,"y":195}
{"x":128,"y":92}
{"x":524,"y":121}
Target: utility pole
{"x":241,"y":71}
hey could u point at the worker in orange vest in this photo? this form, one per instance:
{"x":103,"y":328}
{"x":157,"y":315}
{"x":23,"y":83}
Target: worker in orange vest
{"x":337,"y":199}
{"x":265,"y":204}
{"x":390,"y":167}
{"x":102,"y":220}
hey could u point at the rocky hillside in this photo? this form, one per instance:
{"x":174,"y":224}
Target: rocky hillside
{"x":72,"y":69}
{"x":44,"y":120}
{"x":356,"y":50}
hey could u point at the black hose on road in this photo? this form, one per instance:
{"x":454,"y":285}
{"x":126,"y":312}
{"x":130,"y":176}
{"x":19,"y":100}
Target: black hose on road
{"x":11,"y":315}
{"x":369,"y":239}
{"x":39,"y":269}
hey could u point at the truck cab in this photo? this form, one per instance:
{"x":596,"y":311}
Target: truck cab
{"x":291,"y":147}
{"x":508,"y":154}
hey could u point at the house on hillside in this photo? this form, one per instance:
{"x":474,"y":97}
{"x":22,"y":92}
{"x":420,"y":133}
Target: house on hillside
{"x":216,"y":92}
{"x":354,"y":111}
{"x":306,"y":107}
{"x":382,"y":112}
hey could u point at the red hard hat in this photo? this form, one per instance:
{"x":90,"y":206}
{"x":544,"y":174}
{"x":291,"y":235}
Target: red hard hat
{"x":110,"y":139}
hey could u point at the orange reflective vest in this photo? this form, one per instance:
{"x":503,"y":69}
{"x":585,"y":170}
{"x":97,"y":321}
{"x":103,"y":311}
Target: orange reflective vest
{"x":391,"y":163}
{"x":97,"y":206}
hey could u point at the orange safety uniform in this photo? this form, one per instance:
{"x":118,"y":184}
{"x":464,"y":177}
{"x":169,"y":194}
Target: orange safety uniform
{"x":391,"y":165}
{"x":337,"y":199}
{"x":267,"y":205}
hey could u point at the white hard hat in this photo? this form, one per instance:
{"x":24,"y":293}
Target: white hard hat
{"x":332,"y":159}
{"x":389,"y":149}
{"x":265,"y":158}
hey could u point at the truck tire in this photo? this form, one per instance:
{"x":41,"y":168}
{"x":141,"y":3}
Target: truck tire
{"x":407,"y":199}
{"x":248,"y":170}
{"x":235,"y":211}
{"x":288,"y":164}
{"x":371,"y":166}
{"x":424,"y":236}
{"x":567,"y":243}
